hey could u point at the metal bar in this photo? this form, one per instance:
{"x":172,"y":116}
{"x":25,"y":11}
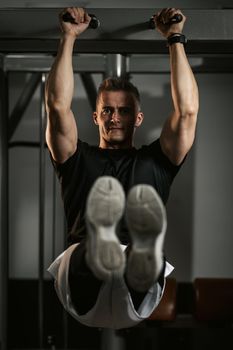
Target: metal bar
{"x":42,"y":63}
{"x":36,"y":46}
{"x":27,"y":144}
{"x":23,"y":102}
{"x":89,"y":85}
{"x":199,"y":4}
{"x":54,"y":191}
{"x":117,"y":65}
{"x":137,"y":63}
{"x":132,"y":25}
{"x":41,"y":215}
{"x":4,"y":243}
{"x":65,"y":315}
{"x":65,"y":329}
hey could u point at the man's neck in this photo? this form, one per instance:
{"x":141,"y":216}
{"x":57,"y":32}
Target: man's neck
{"x":116,"y":145}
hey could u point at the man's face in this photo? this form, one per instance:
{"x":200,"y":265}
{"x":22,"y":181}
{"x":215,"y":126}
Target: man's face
{"x":117,"y":116}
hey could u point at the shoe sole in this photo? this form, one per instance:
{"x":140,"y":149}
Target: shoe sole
{"x":146,"y":220}
{"x":105,"y":207}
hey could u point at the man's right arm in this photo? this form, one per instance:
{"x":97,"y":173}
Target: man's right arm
{"x":61,"y":131}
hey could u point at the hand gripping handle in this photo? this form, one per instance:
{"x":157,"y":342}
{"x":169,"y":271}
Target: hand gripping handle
{"x":175,"y":19}
{"x":94,"y":23}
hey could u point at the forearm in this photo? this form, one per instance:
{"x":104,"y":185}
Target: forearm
{"x":60,"y":82}
{"x":183,"y":84}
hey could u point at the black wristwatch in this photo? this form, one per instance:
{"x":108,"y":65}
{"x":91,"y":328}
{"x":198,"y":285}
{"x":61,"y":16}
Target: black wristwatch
{"x":176,"y":38}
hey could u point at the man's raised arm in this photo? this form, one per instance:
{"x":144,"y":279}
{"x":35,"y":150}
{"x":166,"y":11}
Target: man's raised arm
{"x":61,"y":131}
{"x":179,"y":129}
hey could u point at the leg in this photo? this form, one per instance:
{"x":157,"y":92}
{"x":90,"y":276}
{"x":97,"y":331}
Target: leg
{"x":105,"y":207}
{"x":137,"y":296}
{"x":109,"y":304}
{"x":100,"y":257}
{"x":84,"y":286}
{"x":146,"y":220}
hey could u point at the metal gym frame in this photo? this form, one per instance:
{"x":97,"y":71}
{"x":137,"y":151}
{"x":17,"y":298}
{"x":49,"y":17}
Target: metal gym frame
{"x":206,"y":56}
{"x":112,"y":64}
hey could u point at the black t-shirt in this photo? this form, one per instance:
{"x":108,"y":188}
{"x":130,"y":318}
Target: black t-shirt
{"x":147,"y":165}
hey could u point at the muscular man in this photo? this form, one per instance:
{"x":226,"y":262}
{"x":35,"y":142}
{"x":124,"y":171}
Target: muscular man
{"x":113,"y":272}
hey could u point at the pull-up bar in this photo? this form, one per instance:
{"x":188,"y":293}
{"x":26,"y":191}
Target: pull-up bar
{"x":95,"y":23}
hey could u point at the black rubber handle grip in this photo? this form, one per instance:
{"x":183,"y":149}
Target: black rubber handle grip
{"x":175,"y":19}
{"x":94,"y":23}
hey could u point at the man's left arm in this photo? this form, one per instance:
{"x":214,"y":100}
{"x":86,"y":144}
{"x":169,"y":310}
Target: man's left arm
{"x":178,"y":131}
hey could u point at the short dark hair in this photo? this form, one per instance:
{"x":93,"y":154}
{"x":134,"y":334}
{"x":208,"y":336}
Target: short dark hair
{"x":118,"y":84}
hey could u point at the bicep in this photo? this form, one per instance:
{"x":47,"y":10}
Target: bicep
{"x":61,"y":135}
{"x":177,"y":136}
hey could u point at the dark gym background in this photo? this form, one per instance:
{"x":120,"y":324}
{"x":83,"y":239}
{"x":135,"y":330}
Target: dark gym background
{"x":32,"y":232}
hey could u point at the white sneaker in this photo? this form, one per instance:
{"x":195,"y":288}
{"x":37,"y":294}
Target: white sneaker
{"x":147,"y":223}
{"x":105,"y":207}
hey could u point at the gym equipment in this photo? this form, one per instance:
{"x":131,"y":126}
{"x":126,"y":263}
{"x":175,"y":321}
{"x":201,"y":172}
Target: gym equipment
{"x":175,"y":19}
{"x":94,"y":23}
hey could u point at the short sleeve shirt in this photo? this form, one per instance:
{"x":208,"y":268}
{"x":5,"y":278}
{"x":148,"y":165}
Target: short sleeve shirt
{"x":146,"y":165}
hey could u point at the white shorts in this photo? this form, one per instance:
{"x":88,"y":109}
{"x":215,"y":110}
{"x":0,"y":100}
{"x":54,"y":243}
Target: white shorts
{"x":114,"y":307}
